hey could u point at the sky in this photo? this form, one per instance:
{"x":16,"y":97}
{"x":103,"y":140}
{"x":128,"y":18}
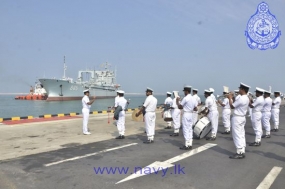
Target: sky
{"x":161,"y":44}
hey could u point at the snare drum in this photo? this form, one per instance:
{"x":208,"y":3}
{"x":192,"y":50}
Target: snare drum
{"x":167,"y":115}
{"x":202,"y":127}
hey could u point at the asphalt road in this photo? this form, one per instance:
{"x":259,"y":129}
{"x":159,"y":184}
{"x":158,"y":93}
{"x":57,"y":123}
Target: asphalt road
{"x":210,"y":168}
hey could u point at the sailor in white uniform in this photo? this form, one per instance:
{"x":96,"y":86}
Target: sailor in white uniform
{"x":213,"y":114}
{"x":167,"y":105}
{"x":275,"y":111}
{"x":195,"y":113}
{"x":188,"y":104}
{"x":226,"y":114}
{"x":149,"y":107}
{"x":176,"y":115}
{"x":116,"y":99}
{"x":86,"y":105}
{"x":212,"y":95}
{"x":238,"y":120}
{"x":257,"y":107}
{"x":121,"y":102}
{"x":266,"y":113}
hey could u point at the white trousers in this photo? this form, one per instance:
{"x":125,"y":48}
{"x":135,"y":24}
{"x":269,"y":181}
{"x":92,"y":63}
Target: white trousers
{"x":250,"y":111}
{"x":275,"y":117}
{"x":168,"y":122}
{"x":195,"y":117}
{"x":238,"y":133}
{"x":176,"y":113}
{"x":187,"y":128}
{"x":149,"y":119}
{"x":85,"y":114}
{"x":227,"y":119}
{"x":266,"y":121}
{"x":256,"y":125}
{"x":121,"y":123}
{"x":213,"y":116}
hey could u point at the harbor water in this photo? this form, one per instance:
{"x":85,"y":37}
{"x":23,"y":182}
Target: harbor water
{"x":9,"y":107}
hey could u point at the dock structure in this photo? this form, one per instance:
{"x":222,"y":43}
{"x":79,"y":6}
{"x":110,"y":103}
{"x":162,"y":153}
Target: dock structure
{"x":52,"y":152}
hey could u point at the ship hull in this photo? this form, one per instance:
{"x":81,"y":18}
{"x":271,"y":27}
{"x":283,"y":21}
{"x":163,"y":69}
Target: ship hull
{"x":62,"y":90}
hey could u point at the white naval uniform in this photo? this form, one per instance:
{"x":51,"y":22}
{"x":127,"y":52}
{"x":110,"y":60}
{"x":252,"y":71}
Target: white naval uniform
{"x":195,"y":113}
{"x":85,"y":113}
{"x":256,"y":117}
{"x":213,"y":114}
{"x":168,"y":100}
{"x":238,"y":122}
{"x":266,"y":114}
{"x":188,"y":103}
{"x":226,"y":115}
{"x":150,"y":116}
{"x":175,"y":113}
{"x":275,"y":112}
{"x":121,"y":101}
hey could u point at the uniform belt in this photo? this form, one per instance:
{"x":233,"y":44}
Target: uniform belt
{"x":253,"y":111}
{"x":226,"y":109}
{"x":275,"y":108}
{"x":239,"y":115}
{"x":265,"y":111}
{"x":188,"y":111}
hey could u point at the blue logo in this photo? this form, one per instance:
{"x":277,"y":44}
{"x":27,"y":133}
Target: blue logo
{"x":262,"y":29}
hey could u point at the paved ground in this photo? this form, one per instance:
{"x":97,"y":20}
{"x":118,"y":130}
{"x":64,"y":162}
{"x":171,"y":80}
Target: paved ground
{"x":56,"y":155}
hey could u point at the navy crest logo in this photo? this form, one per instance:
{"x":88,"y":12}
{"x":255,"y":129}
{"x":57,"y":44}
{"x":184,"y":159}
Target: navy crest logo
{"x":262,"y":29}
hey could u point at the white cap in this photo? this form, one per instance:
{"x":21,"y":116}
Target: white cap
{"x":87,"y":90}
{"x":195,"y":90}
{"x":277,"y":92}
{"x":149,"y":89}
{"x":244,"y":85}
{"x":267,"y":92}
{"x":187,"y":87}
{"x":168,"y":93}
{"x":207,"y":91}
{"x":120,"y":91}
{"x":211,"y":90}
{"x":236,"y":91}
{"x":257,"y":89}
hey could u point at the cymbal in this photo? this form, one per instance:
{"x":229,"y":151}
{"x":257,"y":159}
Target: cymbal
{"x":139,"y":118}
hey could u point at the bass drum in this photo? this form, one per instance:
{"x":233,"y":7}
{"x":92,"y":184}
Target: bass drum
{"x":167,"y":115}
{"x":202,"y":128}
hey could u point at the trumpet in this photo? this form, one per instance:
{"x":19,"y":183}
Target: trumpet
{"x":223,"y":96}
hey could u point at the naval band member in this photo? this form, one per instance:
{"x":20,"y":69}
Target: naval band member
{"x":275,"y":111}
{"x":149,"y":107}
{"x":86,"y":105}
{"x":167,"y":105}
{"x":266,"y":114}
{"x":176,"y":115}
{"x":121,"y":103}
{"x":257,"y":107}
{"x":226,"y":114}
{"x":195,"y":113}
{"x":238,"y":120}
{"x":188,"y":104}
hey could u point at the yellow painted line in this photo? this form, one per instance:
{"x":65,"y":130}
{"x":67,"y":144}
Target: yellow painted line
{"x":60,"y":115}
{"x":15,"y":118}
{"x":72,"y":114}
{"x":104,"y":111}
{"x":130,"y":110}
{"x":1,"y":119}
{"x":95,"y":112}
{"x":30,"y":117}
{"x":47,"y":116}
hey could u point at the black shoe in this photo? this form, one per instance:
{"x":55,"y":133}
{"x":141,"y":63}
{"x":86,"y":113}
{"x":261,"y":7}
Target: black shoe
{"x":168,"y":127}
{"x":255,"y":144}
{"x":211,"y":138}
{"x":226,"y":132}
{"x":186,"y":148}
{"x":174,"y":134}
{"x":274,"y":130}
{"x":237,"y":156}
{"x":148,"y":141}
{"x":120,"y":137}
{"x":265,"y":136}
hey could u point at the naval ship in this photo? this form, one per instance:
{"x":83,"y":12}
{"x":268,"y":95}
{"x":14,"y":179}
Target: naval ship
{"x":101,"y":84}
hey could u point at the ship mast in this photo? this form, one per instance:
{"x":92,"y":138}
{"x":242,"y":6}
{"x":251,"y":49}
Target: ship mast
{"x":64,"y":68}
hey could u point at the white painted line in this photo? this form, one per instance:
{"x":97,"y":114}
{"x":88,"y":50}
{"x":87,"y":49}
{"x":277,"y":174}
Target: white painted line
{"x":159,"y":166}
{"x":270,"y":177}
{"x":87,"y":155}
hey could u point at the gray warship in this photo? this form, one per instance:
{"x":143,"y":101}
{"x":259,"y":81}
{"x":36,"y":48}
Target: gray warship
{"x":101,"y":83}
